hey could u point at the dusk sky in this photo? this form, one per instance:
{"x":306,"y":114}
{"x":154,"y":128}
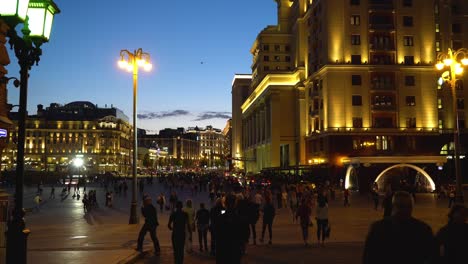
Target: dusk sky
{"x":196,"y":48}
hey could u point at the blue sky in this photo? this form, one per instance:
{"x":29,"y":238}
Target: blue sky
{"x":196,"y":48}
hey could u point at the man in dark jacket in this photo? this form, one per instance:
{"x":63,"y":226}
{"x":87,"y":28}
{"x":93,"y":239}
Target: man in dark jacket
{"x":254,"y":215}
{"x":151,"y":222}
{"x":268,"y":216}
{"x":229,"y":234}
{"x":203,"y":222}
{"x":400,"y":238}
{"x":215,"y":212}
{"x":178,"y":224}
{"x":453,"y":237}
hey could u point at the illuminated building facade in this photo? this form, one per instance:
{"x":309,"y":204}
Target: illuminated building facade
{"x":179,"y":148}
{"x":335,"y":80}
{"x":5,"y":122}
{"x":211,"y":144}
{"x":60,"y":133}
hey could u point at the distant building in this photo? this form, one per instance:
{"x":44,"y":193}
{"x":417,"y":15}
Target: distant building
{"x":55,"y":136}
{"x":5,"y":122}
{"x":211,"y":144}
{"x":173,"y":147}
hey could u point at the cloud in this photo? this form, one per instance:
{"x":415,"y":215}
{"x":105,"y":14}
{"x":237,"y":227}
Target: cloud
{"x":213,"y":115}
{"x":163,"y":114}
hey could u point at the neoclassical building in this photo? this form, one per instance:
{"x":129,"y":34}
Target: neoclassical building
{"x":336,"y":84}
{"x":58,"y":134}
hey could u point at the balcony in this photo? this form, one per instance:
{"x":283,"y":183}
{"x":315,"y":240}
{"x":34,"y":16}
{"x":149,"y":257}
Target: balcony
{"x":381,"y":5}
{"x":382,"y":26}
{"x":383,"y":107}
{"x":383,"y":86}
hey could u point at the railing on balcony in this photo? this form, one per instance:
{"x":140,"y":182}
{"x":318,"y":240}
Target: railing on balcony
{"x":381,"y":26}
{"x":383,"y":86}
{"x":381,"y":4}
{"x":383,"y":107}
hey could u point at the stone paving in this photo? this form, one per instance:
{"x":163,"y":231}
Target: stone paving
{"x":62,"y":233}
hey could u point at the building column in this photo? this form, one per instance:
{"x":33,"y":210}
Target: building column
{"x":301,"y":126}
{"x":275,"y":106}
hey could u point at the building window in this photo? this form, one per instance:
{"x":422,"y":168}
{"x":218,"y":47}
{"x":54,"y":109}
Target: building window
{"x":355,"y":39}
{"x":437,"y":45}
{"x":411,"y":122}
{"x":355,"y":20}
{"x":459,"y":85}
{"x":266,"y":47}
{"x":437,"y":27}
{"x":410,"y":100}
{"x":407,"y":3}
{"x":407,"y":21}
{"x":287,"y":58}
{"x":357,"y":100}
{"x":278,"y":68}
{"x":441,"y":124}
{"x":266,"y":58}
{"x":456,"y":28}
{"x":460,"y":103}
{"x":410,"y":80}
{"x":354,"y":2}
{"x":408,"y":41}
{"x":409,"y":60}
{"x":286,"y":48}
{"x":356,"y":59}
{"x":461,"y":123}
{"x":356,"y":79}
{"x":381,"y":143}
{"x":277,"y":48}
{"x":277,"y":58}
{"x":357,"y":122}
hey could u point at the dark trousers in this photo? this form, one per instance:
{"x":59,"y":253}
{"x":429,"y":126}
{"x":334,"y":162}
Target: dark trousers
{"x":265,"y":224}
{"x":322,"y":225}
{"x":305,"y":231}
{"x":451,"y":202}
{"x":203,"y":237}
{"x":213,"y":242}
{"x":253,"y":231}
{"x":141,"y":236}
{"x":376,"y":203}
{"x":178,"y":242}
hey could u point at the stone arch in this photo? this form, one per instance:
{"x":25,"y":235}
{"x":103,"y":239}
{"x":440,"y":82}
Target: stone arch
{"x":418,"y":169}
{"x":348,"y":184}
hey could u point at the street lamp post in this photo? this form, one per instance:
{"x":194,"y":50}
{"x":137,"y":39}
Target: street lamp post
{"x":37,"y":16}
{"x":131,"y":61}
{"x":454,"y":61}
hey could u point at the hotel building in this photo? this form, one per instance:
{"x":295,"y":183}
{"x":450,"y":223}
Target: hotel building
{"x":58,"y":134}
{"x":337,"y":84}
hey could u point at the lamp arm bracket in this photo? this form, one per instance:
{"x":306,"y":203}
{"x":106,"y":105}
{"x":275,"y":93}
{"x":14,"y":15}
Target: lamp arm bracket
{"x":5,"y":80}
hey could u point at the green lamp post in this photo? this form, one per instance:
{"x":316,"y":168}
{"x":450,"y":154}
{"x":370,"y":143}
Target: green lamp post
{"x":37,"y":17}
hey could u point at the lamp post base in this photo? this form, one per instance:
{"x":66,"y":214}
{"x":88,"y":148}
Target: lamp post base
{"x":17,"y":241}
{"x":133,"y":214}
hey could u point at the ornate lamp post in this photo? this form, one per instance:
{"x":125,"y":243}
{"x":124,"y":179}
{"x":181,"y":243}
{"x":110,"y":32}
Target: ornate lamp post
{"x":131,"y":62}
{"x":454,"y":61}
{"x":37,"y":16}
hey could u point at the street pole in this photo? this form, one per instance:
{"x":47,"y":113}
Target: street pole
{"x":133,"y":207}
{"x":456,"y":135}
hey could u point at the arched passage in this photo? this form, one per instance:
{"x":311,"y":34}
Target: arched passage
{"x":350,"y":176}
{"x":424,"y":173}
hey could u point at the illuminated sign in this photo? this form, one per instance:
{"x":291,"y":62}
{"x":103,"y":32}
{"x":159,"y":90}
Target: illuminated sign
{"x":3,"y":133}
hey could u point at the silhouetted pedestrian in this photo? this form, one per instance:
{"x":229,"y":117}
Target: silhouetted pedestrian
{"x":178,"y":224}
{"x":202,"y":219}
{"x":229,"y":234}
{"x":453,"y":237}
{"x":268,"y":216}
{"x":151,"y":223}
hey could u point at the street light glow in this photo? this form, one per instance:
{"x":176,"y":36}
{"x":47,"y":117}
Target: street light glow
{"x":122,"y":64}
{"x":448,"y":62}
{"x":440,"y":66}
{"x":464,"y":61}
{"x":78,"y":162}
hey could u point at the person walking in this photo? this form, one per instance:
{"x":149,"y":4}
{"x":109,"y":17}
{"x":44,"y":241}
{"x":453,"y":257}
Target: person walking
{"x":178,"y":224}
{"x":284,"y":198}
{"x":191,"y":220}
{"x":151,"y":223}
{"x":229,"y":234}
{"x":202,"y":219}
{"x":453,"y":237}
{"x":451,"y":196}
{"x":293,"y":204}
{"x":215,"y":212}
{"x":268,"y":216}
{"x":322,"y":221}
{"x":400,"y":238}
{"x":37,"y":202}
{"x":161,"y":202}
{"x":303,"y":213}
{"x":253,"y":216}
{"x":52,"y":192}
{"x":346,"y":197}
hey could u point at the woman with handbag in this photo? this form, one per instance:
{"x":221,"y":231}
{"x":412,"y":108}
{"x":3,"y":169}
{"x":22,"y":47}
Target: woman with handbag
{"x":322,"y":221}
{"x":303,"y":213}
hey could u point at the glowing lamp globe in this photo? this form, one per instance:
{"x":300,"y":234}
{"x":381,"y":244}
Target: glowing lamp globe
{"x":14,"y":11}
{"x":41,"y":16}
